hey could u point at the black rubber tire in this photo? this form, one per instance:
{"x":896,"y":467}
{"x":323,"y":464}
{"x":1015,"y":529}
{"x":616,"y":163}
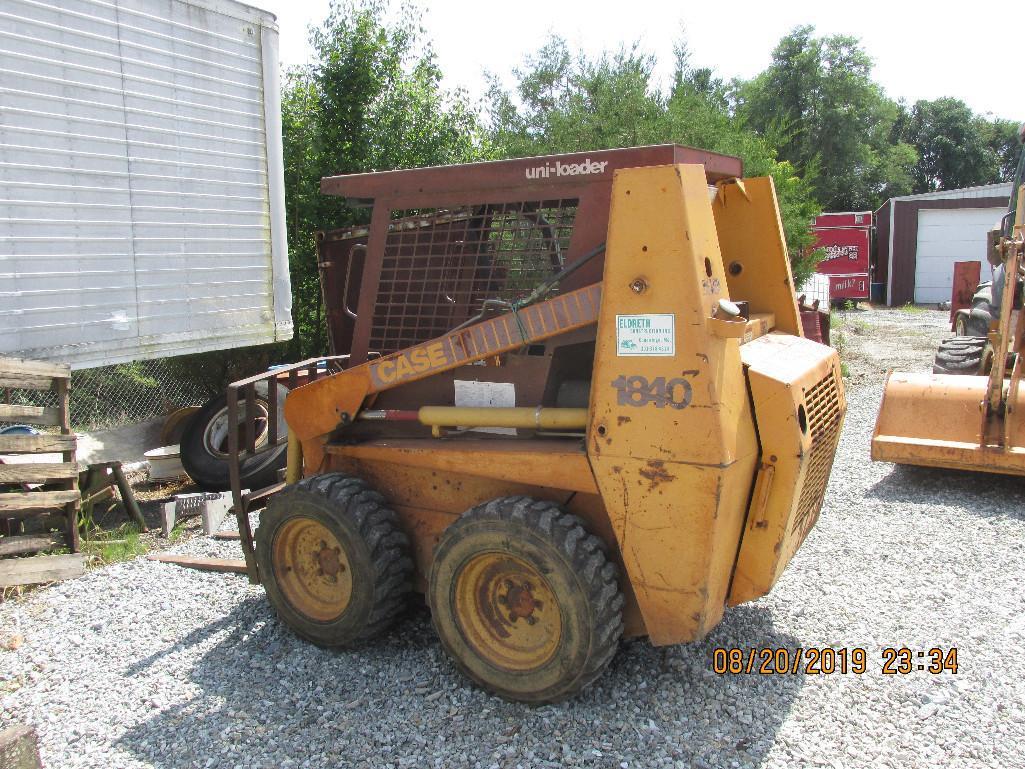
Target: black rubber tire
{"x":575,"y":565}
{"x":210,"y":471}
{"x":982,"y":311}
{"x":961,"y":355}
{"x":377,"y":552}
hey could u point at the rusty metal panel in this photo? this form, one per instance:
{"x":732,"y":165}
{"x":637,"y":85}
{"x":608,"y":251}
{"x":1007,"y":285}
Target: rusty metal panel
{"x":341,"y":255}
{"x":558,"y":464}
{"x":537,"y":175}
{"x":812,"y":324}
{"x":966,"y":279}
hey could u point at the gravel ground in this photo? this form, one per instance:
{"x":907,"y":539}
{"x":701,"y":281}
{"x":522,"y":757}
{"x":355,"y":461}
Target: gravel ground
{"x":147,"y":665}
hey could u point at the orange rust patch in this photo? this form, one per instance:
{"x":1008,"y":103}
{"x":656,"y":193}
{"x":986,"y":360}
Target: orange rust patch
{"x":656,"y":473}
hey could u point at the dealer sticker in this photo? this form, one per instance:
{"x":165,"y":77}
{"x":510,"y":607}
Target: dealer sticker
{"x":652,"y":335}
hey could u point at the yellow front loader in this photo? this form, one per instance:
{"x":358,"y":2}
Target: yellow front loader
{"x":625,"y":447}
{"x":968,"y":421}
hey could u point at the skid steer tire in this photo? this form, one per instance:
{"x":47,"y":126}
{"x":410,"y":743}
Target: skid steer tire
{"x":961,"y":355}
{"x":335,"y":565}
{"x":525,"y":601}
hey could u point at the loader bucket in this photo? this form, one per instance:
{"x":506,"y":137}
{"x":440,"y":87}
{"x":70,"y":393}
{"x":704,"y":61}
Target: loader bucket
{"x":935,"y":420}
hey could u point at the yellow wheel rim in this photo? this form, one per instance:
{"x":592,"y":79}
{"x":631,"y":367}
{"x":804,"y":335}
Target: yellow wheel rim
{"x":507,"y":612}
{"x":311,"y":569}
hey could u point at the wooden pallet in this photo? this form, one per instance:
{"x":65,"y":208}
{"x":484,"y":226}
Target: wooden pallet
{"x":45,"y":491}
{"x":224,"y":565}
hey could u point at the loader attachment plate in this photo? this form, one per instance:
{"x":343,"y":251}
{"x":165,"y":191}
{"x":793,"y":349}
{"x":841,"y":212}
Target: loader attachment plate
{"x":935,"y":420}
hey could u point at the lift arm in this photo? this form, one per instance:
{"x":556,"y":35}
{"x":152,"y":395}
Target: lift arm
{"x":322,"y":406}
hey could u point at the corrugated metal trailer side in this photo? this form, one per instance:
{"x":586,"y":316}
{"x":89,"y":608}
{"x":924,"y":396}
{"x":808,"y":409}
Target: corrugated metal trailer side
{"x":141,"y":180}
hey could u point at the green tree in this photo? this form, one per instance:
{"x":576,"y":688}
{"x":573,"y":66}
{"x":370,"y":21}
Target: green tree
{"x":817,"y":103}
{"x":698,"y":113}
{"x":1003,"y":139}
{"x":567,"y":103}
{"x":956,"y":147}
{"x":372,"y":100}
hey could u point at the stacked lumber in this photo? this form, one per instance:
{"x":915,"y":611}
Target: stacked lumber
{"x":39,"y":498}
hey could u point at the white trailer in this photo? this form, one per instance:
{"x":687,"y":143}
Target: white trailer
{"x":141,"y":180}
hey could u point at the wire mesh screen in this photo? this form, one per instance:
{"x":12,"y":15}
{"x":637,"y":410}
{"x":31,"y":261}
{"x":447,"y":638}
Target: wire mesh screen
{"x":111,"y":396}
{"x":439,"y":267}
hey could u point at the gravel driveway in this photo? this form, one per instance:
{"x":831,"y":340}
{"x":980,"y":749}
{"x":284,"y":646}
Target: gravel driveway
{"x":149,"y":665}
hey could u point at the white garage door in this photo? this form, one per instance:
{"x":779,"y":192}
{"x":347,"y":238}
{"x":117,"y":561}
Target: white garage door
{"x":946,"y":236}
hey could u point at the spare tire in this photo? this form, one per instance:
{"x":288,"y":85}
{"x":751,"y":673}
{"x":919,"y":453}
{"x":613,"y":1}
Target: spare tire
{"x":204,"y":444}
{"x":962,"y":355}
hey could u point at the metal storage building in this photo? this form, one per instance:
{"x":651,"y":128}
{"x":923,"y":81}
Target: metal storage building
{"x":141,"y":180}
{"x":919,"y":237}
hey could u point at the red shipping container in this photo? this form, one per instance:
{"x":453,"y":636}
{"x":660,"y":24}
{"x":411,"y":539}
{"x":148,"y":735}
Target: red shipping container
{"x":846,"y":250}
{"x":846,"y":238}
{"x":844,"y":219}
{"x":848,"y":286}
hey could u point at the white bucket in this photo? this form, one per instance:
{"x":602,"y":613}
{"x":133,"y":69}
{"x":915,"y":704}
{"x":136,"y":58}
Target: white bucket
{"x":165,"y":463}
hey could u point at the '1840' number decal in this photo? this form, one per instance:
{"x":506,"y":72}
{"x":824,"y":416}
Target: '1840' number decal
{"x":638,"y":391}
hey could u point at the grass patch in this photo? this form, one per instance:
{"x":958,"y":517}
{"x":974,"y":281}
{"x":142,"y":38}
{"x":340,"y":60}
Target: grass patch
{"x":120,"y":544}
{"x":845,"y":370}
{"x":912,"y":309}
{"x":177,"y":532}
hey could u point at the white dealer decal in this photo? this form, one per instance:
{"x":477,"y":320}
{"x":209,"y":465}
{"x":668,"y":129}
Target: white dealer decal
{"x":587,"y":166}
{"x":646,"y":335}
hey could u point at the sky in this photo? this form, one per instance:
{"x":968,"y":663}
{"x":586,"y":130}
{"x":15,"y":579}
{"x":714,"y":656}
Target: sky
{"x":919,"y":51}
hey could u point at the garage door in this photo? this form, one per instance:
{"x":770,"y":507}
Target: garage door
{"x":946,"y":236}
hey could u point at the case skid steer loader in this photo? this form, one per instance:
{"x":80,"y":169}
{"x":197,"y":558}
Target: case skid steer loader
{"x":578,"y":405}
{"x":968,"y":418}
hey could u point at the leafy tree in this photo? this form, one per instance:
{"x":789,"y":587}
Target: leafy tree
{"x":372,"y":100}
{"x":1003,"y":139}
{"x":567,"y":103}
{"x":956,"y":148}
{"x":698,"y":113}
{"x":818,"y":104}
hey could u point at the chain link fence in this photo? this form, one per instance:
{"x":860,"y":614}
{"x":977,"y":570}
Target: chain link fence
{"x":111,"y":396}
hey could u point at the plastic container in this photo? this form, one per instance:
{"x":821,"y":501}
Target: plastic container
{"x":165,"y":463}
